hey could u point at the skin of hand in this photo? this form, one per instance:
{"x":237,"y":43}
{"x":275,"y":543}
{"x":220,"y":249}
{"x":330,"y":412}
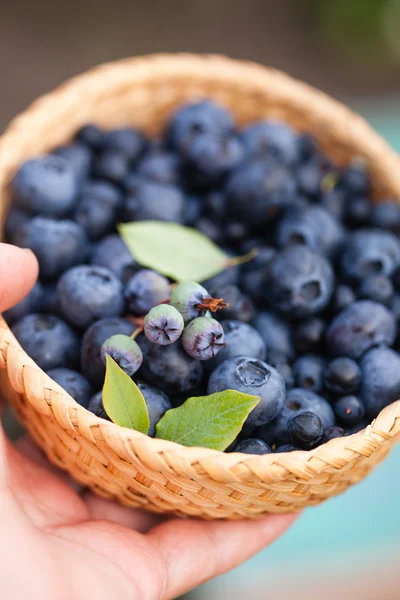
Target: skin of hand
{"x":58,"y":542}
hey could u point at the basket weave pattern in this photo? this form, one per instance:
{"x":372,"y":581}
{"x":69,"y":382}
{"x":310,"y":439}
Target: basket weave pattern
{"x":123,"y":464}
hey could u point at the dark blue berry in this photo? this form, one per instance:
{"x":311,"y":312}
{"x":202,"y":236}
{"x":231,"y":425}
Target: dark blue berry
{"x":308,"y":371}
{"x":229,"y":276}
{"x":386,"y":215}
{"x":343,"y":296}
{"x":262,"y":185}
{"x":157,"y":404}
{"x":235,"y":232}
{"x":354,"y":180}
{"x":305,"y":430}
{"x":265,"y":254}
{"x":32,"y":303}
{"x":58,"y":245}
{"x":310,"y":176}
{"x":112,"y":253}
{"x":359,"y":427}
{"x":112,"y":165}
{"x":79,"y":157}
{"x":370,"y":252}
{"x":332,"y":433}
{"x":252,"y":446}
{"x":193,"y":120}
{"x":299,"y":282}
{"x":203,"y":338}
{"x":75,"y":384}
{"x":349,"y":410}
{"x":275,"y":333}
{"x":48,"y":340}
{"x":342,"y":376}
{"x":49,"y":300}
{"x":309,"y":335}
{"x":124,"y":351}
{"x":160,"y":166}
{"x":297,"y":401}
{"x":254,"y":377}
{"x":46,"y":185}
{"x":314,"y":227}
{"x":240,"y":339}
{"x":97,"y":209}
{"x":87,"y":293}
{"x":285,"y":448}
{"x":215,"y":205}
{"x":193,"y":210}
{"x":378,"y":288}
{"x":380,"y":386}
{"x":240,"y":307}
{"x":359,"y":327}
{"x":210,"y":229}
{"x":150,"y":200}
{"x":96,"y":406}
{"x":334,"y":202}
{"x":282,"y":365}
{"x":129,"y":142}
{"x":144,"y":290}
{"x":170,"y":368}
{"x":91,"y":362}
{"x":15,"y":220}
{"x":91,"y":136}
{"x":163,"y":325}
{"x":272,"y":138}
{"x":358,"y":211}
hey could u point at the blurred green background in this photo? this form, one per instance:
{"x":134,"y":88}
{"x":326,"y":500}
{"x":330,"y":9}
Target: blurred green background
{"x":348,"y":548}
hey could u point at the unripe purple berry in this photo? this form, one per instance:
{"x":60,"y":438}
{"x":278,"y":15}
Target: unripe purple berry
{"x":125,"y":351}
{"x":203,"y":338}
{"x":163,"y":325}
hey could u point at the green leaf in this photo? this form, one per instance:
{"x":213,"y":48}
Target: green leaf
{"x":209,"y":421}
{"x":122,"y":400}
{"x":181,"y":253}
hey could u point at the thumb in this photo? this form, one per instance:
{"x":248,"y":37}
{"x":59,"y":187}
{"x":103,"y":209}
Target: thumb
{"x":18,"y":272}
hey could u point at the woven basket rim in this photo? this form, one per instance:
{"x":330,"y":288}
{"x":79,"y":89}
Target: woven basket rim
{"x":337,"y":451}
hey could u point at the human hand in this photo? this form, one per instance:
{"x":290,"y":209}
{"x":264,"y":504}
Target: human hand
{"x":61,"y":543}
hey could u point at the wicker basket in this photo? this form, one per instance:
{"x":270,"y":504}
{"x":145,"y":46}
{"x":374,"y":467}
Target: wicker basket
{"x":123,"y":464}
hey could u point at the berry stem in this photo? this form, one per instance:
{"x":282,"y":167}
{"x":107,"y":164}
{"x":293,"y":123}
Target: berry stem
{"x":240,"y":260}
{"x":212,"y":304}
{"x":136,"y":332}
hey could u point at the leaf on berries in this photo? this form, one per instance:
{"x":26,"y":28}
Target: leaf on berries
{"x":122,"y":399}
{"x":179,"y":252}
{"x":212,"y":421}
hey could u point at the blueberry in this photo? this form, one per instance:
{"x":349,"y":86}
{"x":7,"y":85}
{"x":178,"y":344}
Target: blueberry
{"x":203,"y":338}
{"x":73,"y":383}
{"x":299,"y":282}
{"x":378,"y":288}
{"x":252,"y":283}
{"x":386,"y":215}
{"x":254,"y":377}
{"x":96,"y":406}
{"x":32,"y":303}
{"x":240,"y":339}
{"x":240,"y":307}
{"x":58,"y":245}
{"x":157,"y":404}
{"x":308,"y":372}
{"x":286,"y":448}
{"x":97,"y":210}
{"x":124,"y":350}
{"x":380,"y":369}
{"x":102,"y":192}
{"x":187,"y":298}
{"x":334,"y":202}
{"x":235,"y":232}
{"x":282,"y":365}
{"x":229,"y":276}
{"x":79,"y":157}
{"x":160,"y":166}
{"x":309,"y":335}
{"x":16,"y":219}
{"x":150,"y":200}
{"x":370,"y":252}
{"x":49,"y":300}
{"x":357,"y":211}
{"x":275,"y":333}
{"x":307,"y":147}
{"x":349,"y":410}
{"x":163,"y":324}
{"x":210,"y":229}
{"x":252,"y":446}
{"x":170,"y":368}
{"x":209,"y":158}
{"x":310,"y":177}
{"x":87,"y":293}
{"x":262,"y":185}
{"x":48,"y":340}
{"x":129,"y":142}
{"x":215,"y":205}
{"x":297,"y":401}
{"x":112,"y":165}
{"x":144,"y":290}
{"x":359,"y":427}
{"x":314,"y":227}
{"x":111,"y":252}
{"x":354,"y":180}
{"x":342,"y":376}
{"x":272,"y":138}
{"x":45,"y":185}
{"x":197,"y":119}
{"x":359,"y":327}
{"x":93,"y":339}
{"x":193,"y":210}
{"x":332,"y":433}
{"x":305,"y":430}
{"x":264,"y":257}
{"x":343,"y":296}
{"x":92,"y":136}
{"x":395,"y":307}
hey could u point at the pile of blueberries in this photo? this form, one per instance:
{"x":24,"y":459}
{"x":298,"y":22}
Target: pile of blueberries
{"x":310,"y":325}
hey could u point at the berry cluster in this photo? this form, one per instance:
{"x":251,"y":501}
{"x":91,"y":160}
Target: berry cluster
{"x":310,"y":325}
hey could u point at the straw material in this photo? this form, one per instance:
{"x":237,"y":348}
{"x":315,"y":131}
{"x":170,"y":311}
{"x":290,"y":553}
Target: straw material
{"x":123,"y":464}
